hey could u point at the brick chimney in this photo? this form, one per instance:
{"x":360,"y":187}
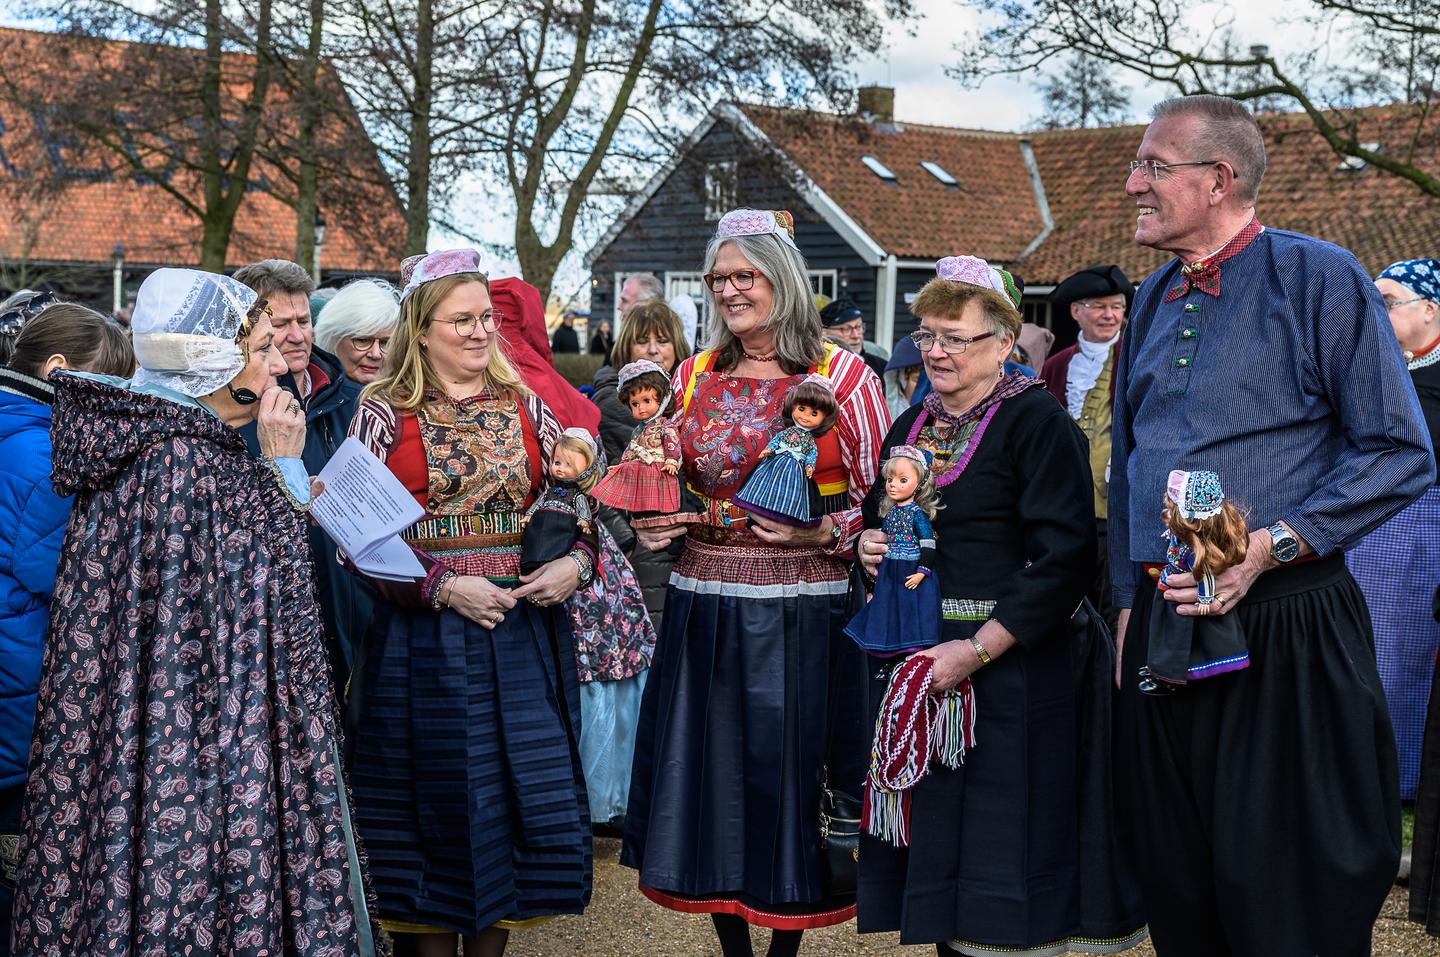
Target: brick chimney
{"x":877,"y":103}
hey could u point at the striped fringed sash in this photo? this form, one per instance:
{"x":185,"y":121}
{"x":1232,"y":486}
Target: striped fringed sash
{"x":913,"y":728}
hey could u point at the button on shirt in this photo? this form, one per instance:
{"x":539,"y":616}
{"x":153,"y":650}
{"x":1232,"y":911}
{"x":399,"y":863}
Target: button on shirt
{"x":1290,"y":385}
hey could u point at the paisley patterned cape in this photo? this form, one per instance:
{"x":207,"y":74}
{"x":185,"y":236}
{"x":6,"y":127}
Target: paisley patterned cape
{"x":184,"y":796}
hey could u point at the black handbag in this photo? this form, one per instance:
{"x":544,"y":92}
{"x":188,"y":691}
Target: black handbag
{"x":839,"y":841}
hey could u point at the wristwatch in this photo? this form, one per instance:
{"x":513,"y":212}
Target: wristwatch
{"x":1284,"y":546}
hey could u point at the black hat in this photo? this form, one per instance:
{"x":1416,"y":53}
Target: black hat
{"x":841,"y":310}
{"x":1088,"y":283}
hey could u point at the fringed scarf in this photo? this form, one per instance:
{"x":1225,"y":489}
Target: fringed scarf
{"x":913,"y":728}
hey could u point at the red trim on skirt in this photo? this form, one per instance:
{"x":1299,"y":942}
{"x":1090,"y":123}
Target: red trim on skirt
{"x":751,"y":915}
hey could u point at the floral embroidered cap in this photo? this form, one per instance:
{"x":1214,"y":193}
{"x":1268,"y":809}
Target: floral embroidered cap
{"x":758,"y":222}
{"x":184,"y":328}
{"x":639,"y":367}
{"x":416,"y":271}
{"x":1196,"y":494}
{"x":911,"y":452}
{"x":820,"y":380}
{"x":978,"y":272}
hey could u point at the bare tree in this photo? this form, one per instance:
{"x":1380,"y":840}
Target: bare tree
{"x":1158,"y":41}
{"x":1084,"y":93}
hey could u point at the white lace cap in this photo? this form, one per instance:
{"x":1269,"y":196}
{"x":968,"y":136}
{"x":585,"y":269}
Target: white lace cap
{"x":184,"y":327}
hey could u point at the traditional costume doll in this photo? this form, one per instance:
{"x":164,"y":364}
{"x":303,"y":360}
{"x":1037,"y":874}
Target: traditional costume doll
{"x":646,"y":481}
{"x":782,"y":486}
{"x":904,"y":613}
{"x":554,"y":522}
{"x":1205,"y":535}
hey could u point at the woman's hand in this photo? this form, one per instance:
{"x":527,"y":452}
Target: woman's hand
{"x":772,"y":532}
{"x":870,"y":548}
{"x":475,"y":598}
{"x":280,"y":425}
{"x":954,"y":662}
{"x":551,"y":583}
{"x":657,"y":538}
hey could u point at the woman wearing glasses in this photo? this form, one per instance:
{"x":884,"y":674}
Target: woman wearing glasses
{"x":356,"y":325}
{"x":735,"y":718}
{"x":993,"y":858}
{"x":468,"y":788}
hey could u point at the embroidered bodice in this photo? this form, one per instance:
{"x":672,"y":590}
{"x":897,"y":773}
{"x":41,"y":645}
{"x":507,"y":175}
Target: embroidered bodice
{"x":729,"y":421}
{"x":654,"y":443}
{"x":475,"y":453}
{"x":908,"y":532}
{"x":796,"y":442}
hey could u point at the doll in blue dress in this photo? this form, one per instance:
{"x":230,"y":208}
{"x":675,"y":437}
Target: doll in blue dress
{"x":904,"y":613}
{"x":1204,"y":535}
{"x":782,"y":486}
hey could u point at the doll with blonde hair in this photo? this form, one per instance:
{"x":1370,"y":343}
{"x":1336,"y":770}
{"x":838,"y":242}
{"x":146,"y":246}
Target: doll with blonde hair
{"x":1205,"y":535}
{"x":904,"y":613}
{"x":553,"y":523}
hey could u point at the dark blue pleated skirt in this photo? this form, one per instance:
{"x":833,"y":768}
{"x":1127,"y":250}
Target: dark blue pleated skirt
{"x":898,"y":619}
{"x":468,"y":790}
{"x":729,"y":754}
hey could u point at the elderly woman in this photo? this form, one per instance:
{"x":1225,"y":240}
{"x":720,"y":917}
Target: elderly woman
{"x":467,"y":779}
{"x":1402,"y":554}
{"x":729,"y":757}
{"x":357,"y":325}
{"x":993,"y":862}
{"x":185,"y":792}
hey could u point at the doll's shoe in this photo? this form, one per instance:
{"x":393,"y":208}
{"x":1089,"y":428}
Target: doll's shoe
{"x":1153,"y":686}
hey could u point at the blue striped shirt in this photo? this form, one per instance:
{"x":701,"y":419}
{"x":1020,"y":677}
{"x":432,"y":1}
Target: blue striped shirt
{"x":1290,"y":385}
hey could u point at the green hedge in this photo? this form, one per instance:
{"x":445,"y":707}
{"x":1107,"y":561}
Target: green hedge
{"x":577,"y":368}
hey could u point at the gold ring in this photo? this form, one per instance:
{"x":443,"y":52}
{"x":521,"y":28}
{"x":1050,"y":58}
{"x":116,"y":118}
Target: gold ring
{"x":1220,"y":599}
{"x":294,"y":408}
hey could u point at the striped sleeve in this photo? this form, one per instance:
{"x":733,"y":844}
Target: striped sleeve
{"x":374,"y":425}
{"x":864,"y":420}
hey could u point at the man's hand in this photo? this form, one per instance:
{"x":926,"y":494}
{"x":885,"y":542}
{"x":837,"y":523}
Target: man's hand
{"x":657,"y":538}
{"x":1120,"y":626}
{"x":1231,"y":585}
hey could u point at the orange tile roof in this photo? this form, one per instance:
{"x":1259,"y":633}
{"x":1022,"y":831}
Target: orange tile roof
{"x":994,"y":213}
{"x":84,"y":221}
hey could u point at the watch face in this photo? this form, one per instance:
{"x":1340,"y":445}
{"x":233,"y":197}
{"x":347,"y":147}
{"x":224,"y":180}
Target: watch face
{"x":1286,"y":546}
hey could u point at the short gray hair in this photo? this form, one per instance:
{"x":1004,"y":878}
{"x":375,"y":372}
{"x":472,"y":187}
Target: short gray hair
{"x":650,"y":286}
{"x":1229,"y":132}
{"x":270,"y":276}
{"x":793,"y":316}
{"x":364,"y":308}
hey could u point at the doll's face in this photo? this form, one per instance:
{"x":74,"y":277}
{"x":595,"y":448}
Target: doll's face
{"x":644,"y":404}
{"x":902,"y":480}
{"x":806,"y":416}
{"x":567,"y":464}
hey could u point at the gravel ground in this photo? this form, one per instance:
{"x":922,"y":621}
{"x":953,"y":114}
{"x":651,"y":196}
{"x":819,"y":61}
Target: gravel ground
{"x":622,"y":923}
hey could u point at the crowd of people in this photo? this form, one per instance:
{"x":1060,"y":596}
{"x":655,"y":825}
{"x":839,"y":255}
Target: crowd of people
{"x":1007,"y":651}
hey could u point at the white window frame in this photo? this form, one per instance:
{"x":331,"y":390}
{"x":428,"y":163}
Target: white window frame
{"x":824,"y":282}
{"x":721,"y":188}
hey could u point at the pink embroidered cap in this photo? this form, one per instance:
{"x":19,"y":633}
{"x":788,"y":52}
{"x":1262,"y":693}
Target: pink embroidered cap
{"x":972,"y":270}
{"x":639,"y":367}
{"x":416,"y":271}
{"x":820,"y":380}
{"x":910,"y":452}
{"x":758,"y":222}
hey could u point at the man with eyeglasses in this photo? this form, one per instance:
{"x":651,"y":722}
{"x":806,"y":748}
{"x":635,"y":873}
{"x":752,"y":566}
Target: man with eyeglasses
{"x":1262,"y":804}
{"x":1081,"y":377}
{"x":329,"y":398}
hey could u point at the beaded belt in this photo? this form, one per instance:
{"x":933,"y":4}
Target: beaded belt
{"x":966,"y":609}
{"x":453,"y":532}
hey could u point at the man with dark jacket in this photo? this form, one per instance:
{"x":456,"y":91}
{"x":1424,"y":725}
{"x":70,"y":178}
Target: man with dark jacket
{"x":317,"y":379}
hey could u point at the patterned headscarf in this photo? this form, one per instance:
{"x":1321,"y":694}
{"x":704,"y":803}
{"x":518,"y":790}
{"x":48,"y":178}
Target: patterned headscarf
{"x":1196,"y":494}
{"x":1420,"y":276}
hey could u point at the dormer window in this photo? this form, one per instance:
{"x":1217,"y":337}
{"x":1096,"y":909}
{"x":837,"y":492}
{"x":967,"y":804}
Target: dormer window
{"x":940,"y":173}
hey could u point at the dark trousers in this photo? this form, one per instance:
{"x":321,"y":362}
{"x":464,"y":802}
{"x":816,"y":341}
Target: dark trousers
{"x":1262,"y":806}
{"x":1101,"y":595}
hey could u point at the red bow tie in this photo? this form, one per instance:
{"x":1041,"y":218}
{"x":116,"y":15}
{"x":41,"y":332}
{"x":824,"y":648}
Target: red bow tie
{"x":1202,"y":277}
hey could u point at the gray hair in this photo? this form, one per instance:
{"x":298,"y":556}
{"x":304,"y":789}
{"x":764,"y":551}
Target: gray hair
{"x":270,"y":276}
{"x":793,"y":317}
{"x":364,"y":308}
{"x":649,"y":284}
{"x":1228,"y":132}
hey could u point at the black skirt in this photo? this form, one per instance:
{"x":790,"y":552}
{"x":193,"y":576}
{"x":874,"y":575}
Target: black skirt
{"x":1262,"y":806}
{"x":1425,"y":856}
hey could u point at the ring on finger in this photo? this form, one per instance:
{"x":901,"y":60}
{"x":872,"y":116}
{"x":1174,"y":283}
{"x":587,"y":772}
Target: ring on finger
{"x":294,"y":408}
{"x":1221,"y":599}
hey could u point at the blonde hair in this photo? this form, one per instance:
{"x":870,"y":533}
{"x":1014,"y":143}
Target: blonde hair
{"x":575,"y":444}
{"x":926,"y":495}
{"x":1218,"y":542}
{"x":407,"y":373}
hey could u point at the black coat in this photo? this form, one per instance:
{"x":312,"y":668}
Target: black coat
{"x":346,"y":600}
{"x":565,"y":339}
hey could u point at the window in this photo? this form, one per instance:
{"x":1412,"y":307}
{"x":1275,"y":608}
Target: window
{"x":719,"y":189}
{"x":939,"y":172}
{"x":878,"y":168}
{"x":824,"y":282}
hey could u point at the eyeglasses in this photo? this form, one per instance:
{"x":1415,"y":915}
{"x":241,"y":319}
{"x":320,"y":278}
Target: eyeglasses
{"x":953,"y":345}
{"x":1393,"y":304}
{"x":742,"y":279}
{"x":465,"y":325}
{"x":1118,"y":307}
{"x":366,"y":343}
{"x":1154,"y":169}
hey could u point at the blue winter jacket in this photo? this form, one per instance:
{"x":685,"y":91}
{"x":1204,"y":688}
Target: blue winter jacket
{"x":32,"y":527}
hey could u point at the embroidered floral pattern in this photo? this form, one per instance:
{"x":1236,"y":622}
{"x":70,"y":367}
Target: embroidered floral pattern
{"x":726,"y":427}
{"x":476,"y":453}
{"x":614,"y":638}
